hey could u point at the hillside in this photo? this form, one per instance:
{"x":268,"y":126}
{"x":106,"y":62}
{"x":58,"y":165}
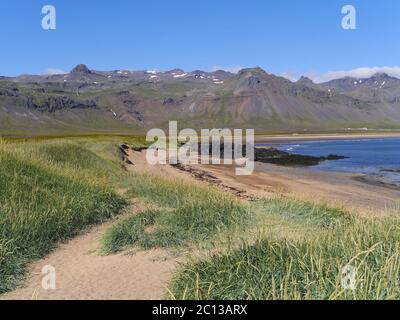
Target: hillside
{"x":85,"y":101}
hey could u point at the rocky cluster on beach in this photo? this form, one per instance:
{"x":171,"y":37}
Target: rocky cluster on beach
{"x":283,"y":158}
{"x":391,"y":170}
{"x":276,"y":156}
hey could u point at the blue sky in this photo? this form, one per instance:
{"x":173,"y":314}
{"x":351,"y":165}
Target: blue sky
{"x":289,"y":37}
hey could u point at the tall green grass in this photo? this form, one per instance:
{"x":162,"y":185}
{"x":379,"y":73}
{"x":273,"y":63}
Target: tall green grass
{"x":187,"y":214}
{"x":302,"y":268}
{"x":49,"y":191}
{"x":302,"y":215}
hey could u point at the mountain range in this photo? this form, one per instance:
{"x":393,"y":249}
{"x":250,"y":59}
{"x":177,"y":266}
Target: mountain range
{"x":86,"y":101}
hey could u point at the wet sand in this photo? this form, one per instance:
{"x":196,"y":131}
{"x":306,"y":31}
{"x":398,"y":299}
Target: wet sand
{"x":353,"y":191}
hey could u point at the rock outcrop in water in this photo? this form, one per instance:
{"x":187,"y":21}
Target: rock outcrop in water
{"x":283,"y":158}
{"x":275,"y":156}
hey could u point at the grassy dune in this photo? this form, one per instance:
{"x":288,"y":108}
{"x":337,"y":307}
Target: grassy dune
{"x":308,"y":265}
{"x":186,"y":214}
{"x":52,"y":189}
{"x":49,"y":191}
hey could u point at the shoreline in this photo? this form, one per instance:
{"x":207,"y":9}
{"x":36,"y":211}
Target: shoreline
{"x":279,"y":139}
{"x":366,"y":178}
{"x":372,"y":181}
{"x":355,"y":192}
{"x":342,"y":188}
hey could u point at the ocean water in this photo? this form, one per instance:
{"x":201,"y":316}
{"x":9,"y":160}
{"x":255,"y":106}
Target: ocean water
{"x":368,"y":156}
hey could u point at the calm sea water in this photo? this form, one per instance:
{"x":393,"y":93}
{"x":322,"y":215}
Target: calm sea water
{"x":369,"y":156}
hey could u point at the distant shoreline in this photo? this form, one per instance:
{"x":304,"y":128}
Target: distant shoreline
{"x":259,"y":138}
{"x":278,"y":139}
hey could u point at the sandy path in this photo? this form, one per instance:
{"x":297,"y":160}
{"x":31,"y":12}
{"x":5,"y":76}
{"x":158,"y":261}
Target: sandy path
{"x":82,"y":273}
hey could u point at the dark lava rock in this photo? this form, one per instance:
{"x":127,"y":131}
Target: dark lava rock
{"x":390,"y":170}
{"x":139,"y":149}
{"x":124,"y":93}
{"x":9,"y":92}
{"x":172,"y":101}
{"x":55,"y":103}
{"x":168,"y":101}
{"x":275,"y":156}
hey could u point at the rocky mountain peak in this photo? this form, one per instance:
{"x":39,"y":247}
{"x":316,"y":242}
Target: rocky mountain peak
{"x":257,"y":71}
{"x":222,"y":74}
{"x":175,"y":71}
{"x":251,"y":79}
{"x":81,"y":69}
{"x":305,"y":80}
{"x":381,"y":76}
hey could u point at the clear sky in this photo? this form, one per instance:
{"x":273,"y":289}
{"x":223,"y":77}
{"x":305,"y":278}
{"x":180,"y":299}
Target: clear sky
{"x":290,"y":37}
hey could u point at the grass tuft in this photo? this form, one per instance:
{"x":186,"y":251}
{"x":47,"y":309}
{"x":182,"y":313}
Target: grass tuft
{"x":188,"y":214}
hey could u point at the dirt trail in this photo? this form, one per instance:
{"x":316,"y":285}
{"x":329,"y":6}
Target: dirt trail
{"x":82,"y":273}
